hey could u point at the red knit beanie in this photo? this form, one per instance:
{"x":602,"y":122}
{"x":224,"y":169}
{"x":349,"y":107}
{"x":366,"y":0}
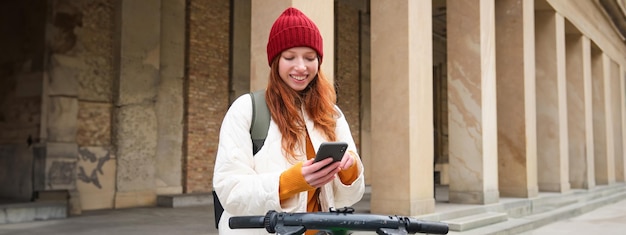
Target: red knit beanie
{"x":293,"y":29}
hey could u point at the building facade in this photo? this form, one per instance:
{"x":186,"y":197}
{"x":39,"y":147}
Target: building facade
{"x":120,"y":101}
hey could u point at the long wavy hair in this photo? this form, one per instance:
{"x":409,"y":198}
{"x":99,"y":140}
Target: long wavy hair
{"x":285,"y":104}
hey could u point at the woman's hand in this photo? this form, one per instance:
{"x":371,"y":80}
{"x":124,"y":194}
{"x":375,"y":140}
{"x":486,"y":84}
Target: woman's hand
{"x":347,"y":161}
{"x":320,"y":173}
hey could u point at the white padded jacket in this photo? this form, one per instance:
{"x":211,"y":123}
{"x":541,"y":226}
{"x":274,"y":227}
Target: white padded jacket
{"x":248,"y":185}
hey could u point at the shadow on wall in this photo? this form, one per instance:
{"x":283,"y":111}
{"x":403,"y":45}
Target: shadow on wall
{"x":16,"y":173}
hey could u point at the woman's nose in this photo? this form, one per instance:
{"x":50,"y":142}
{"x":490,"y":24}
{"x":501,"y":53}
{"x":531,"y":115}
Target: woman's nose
{"x":300,"y":64}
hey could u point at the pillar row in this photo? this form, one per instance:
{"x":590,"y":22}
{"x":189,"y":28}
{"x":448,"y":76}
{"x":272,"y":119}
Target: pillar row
{"x":616,"y":119}
{"x":552,"y":132}
{"x":517,"y":132}
{"x":579,"y":109}
{"x":169,"y":103}
{"x":607,"y":78}
{"x":603,"y":160}
{"x":401,"y":108}
{"x":472,"y":115}
{"x":135,"y":120}
{"x":622,"y":85}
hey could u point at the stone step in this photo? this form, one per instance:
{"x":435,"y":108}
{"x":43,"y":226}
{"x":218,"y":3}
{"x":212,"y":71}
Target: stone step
{"x":185,"y":200}
{"x":540,"y":208}
{"x":32,"y":211}
{"x":475,"y":221}
{"x":528,"y":214}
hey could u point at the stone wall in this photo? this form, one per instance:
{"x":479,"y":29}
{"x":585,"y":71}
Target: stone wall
{"x":207,"y":89}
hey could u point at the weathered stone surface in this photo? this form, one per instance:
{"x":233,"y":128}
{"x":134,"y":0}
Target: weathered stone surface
{"x":169,"y":103}
{"x":95,"y":82}
{"x":96,"y":37}
{"x":61,"y":150}
{"x":62,"y":113}
{"x":94,"y":124}
{"x":96,"y":177}
{"x":60,"y":174}
{"x":136,"y":139}
{"x":60,"y":165}
{"x":139,"y":51}
{"x":63,"y":76}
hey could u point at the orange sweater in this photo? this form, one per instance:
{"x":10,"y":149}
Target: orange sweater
{"x":292,"y":181}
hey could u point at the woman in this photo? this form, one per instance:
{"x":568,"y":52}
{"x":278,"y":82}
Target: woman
{"x":282,"y":176}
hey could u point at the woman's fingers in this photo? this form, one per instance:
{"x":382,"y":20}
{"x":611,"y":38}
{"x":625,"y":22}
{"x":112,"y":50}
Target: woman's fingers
{"x":346,"y":161}
{"x":319,"y":173}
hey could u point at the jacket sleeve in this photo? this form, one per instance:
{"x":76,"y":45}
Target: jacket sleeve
{"x":241,"y":190}
{"x":347,"y":195}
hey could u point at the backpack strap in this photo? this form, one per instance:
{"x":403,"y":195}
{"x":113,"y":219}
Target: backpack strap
{"x":260,"y":120}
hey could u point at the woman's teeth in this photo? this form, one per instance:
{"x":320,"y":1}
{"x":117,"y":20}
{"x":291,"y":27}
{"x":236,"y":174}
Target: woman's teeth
{"x":299,"y":78}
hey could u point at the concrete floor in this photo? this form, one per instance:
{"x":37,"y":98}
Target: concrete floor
{"x":153,"y":220}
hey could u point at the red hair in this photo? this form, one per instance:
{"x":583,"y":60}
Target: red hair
{"x":284,"y":104}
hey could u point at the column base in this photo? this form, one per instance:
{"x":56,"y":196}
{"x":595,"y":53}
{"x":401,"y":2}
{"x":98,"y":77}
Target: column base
{"x":474,"y":197}
{"x":519,"y":192}
{"x":402,"y":207}
{"x":554,"y":187}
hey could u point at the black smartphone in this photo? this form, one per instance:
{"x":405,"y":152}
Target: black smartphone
{"x":335,"y":150}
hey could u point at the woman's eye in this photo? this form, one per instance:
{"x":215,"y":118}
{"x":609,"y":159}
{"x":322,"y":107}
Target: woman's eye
{"x":287,"y":58}
{"x":311,"y":59}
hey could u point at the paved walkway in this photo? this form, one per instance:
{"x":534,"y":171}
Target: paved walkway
{"x":610,"y":219}
{"x":153,"y":220}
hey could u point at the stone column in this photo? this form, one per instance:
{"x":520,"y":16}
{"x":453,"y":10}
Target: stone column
{"x":616,"y":121}
{"x":472,"y":114}
{"x":579,"y":110}
{"x":402,"y":111}
{"x":622,"y":85}
{"x":517,"y":130}
{"x":552,"y":133}
{"x":264,"y":14}
{"x":608,"y":107}
{"x":135,"y":122}
{"x":169,"y":101}
{"x":604,"y":162}
{"x":56,"y":157}
{"x":366,"y":98}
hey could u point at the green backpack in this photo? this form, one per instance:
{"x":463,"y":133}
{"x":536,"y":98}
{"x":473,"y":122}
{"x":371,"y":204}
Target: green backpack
{"x":258,"y":132}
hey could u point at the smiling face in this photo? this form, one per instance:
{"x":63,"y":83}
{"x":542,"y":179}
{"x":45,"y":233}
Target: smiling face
{"x":298,"y":66}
